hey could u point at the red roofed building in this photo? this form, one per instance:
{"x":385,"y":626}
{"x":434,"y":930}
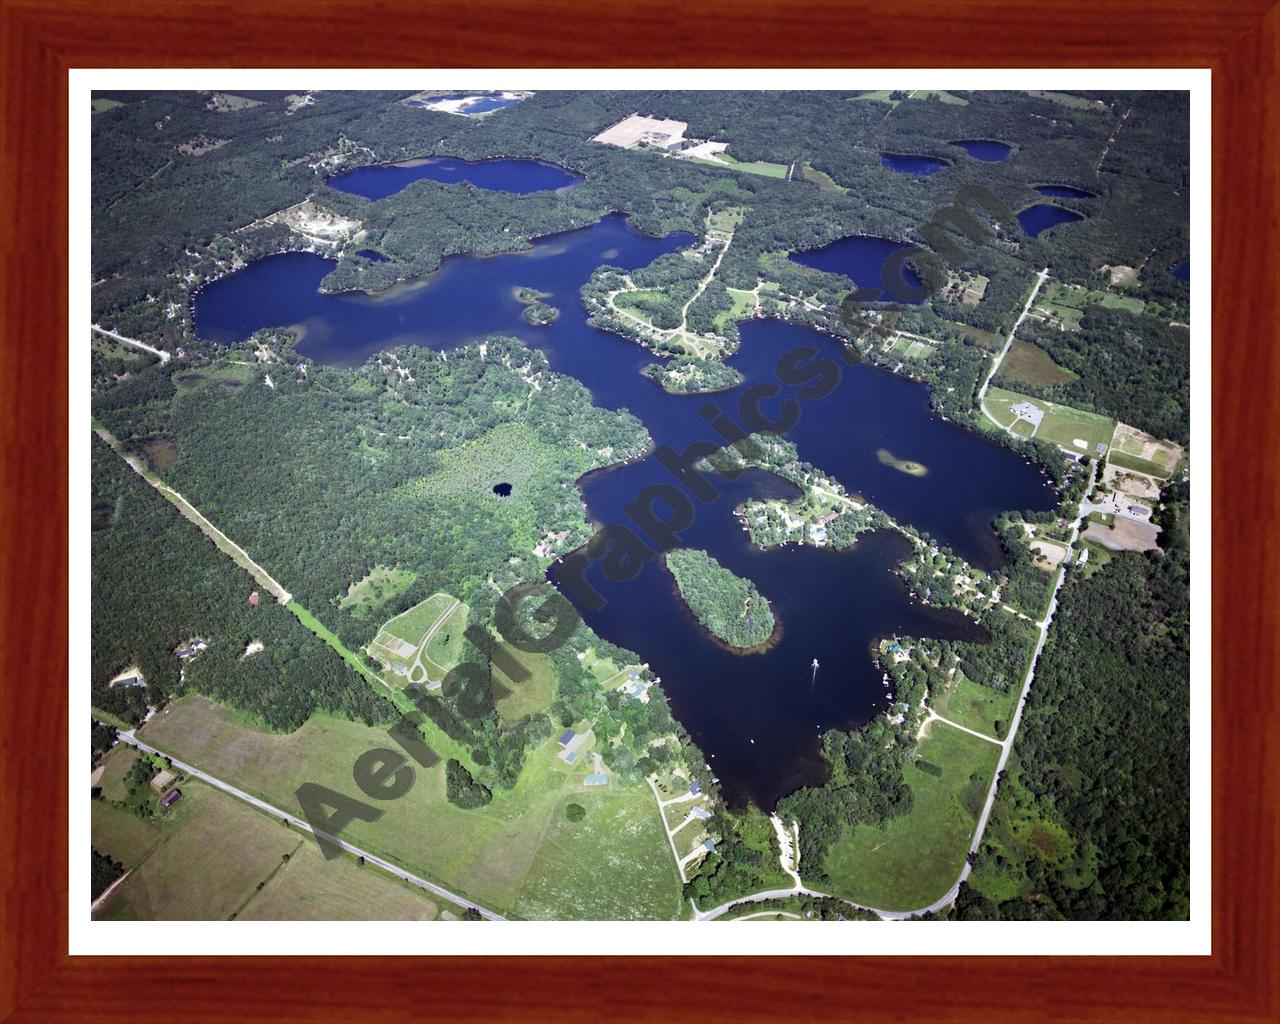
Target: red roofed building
{"x":253,"y":600}
{"x":828,"y":517}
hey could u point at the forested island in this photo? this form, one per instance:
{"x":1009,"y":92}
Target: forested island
{"x":731,"y":608}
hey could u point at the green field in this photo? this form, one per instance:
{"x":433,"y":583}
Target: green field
{"x":975,"y":706}
{"x":488,"y":854}
{"x":1066,"y":99}
{"x":101,"y":104}
{"x":1126,"y":461}
{"x":412,"y":625}
{"x":1061,"y":425}
{"x":310,"y":888}
{"x":209,"y":865}
{"x":761,"y":167}
{"x":1030,"y":364}
{"x":122,"y":835}
{"x":1063,"y":299}
{"x":915,"y":858}
{"x":382,"y":584}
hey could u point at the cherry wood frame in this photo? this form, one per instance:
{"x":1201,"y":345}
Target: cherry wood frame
{"x":41,"y":39}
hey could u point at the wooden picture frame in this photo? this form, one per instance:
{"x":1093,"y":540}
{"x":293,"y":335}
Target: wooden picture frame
{"x":41,"y":39}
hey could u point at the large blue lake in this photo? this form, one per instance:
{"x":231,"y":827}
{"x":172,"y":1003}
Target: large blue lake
{"x":520,"y":176}
{"x":832,"y":606}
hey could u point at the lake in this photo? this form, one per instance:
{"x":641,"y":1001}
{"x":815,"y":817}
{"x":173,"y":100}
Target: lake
{"x":986,"y":150}
{"x":861,"y":258}
{"x":1036,"y":220}
{"x":506,"y":175}
{"x":909,"y":164}
{"x":1065,"y":192}
{"x":1182,"y":270}
{"x":832,"y":606}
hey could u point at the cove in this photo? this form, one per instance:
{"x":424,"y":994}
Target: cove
{"x":832,"y":606}
{"x":506,"y":175}
{"x":909,"y":164}
{"x":1065,"y":192}
{"x":1035,"y":220}
{"x":987,"y":150}
{"x":861,"y":259}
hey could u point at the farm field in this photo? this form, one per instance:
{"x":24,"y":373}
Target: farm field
{"x":486,"y":854}
{"x":208,"y":867}
{"x":975,"y":706}
{"x":1060,"y":425}
{"x":914,"y":859}
{"x":310,"y":888}
{"x":122,"y":835}
{"x":1062,"y":297}
{"x":1026,"y":363}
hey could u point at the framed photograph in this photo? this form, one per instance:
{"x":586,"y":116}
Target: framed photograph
{"x":620,"y":508}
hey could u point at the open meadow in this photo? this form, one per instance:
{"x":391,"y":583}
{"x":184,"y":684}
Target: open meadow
{"x":914,"y":859}
{"x":489,"y":853}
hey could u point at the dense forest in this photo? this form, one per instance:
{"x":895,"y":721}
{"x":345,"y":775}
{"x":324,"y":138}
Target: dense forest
{"x":158,"y":583}
{"x":1093,"y":819}
{"x":730,"y":607}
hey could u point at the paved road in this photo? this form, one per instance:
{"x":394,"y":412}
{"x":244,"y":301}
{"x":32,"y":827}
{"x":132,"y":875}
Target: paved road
{"x":164,"y":356}
{"x":1008,"y":342}
{"x":262,"y":805}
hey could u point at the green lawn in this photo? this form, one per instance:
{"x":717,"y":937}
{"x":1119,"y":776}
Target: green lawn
{"x":448,"y":646}
{"x":916,"y":857}
{"x":101,"y":105}
{"x":208,"y":867}
{"x":761,"y":167}
{"x":412,"y":625}
{"x":1126,"y":461}
{"x":488,"y":854}
{"x":975,"y":706}
{"x":1061,"y":425}
{"x":1030,"y":364}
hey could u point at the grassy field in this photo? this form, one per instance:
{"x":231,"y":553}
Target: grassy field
{"x":761,"y":167}
{"x":1126,"y":461}
{"x":1066,"y":99}
{"x":412,"y":625}
{"x":310,"y":888}
{"x":1061,"y":425}
{"x":382,"y":584}
{"x":726,"y":219}
{"x":822,"y":179}
{"x":122,"y":835}
{"x":914,"y":859}
{"x":1030,"y":364}
{"x":744,"y":304}
{"x":531,"y":695}
{"x":977,"y":707}
{"x":1062,"y":298}
{"x":116,"y":762}
{"x":447,"y":647}
{"x":487,"y":854}
{"x":208,"y":867}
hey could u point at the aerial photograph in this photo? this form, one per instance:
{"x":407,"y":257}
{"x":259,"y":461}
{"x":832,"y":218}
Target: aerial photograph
{"x":669,"y":505}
